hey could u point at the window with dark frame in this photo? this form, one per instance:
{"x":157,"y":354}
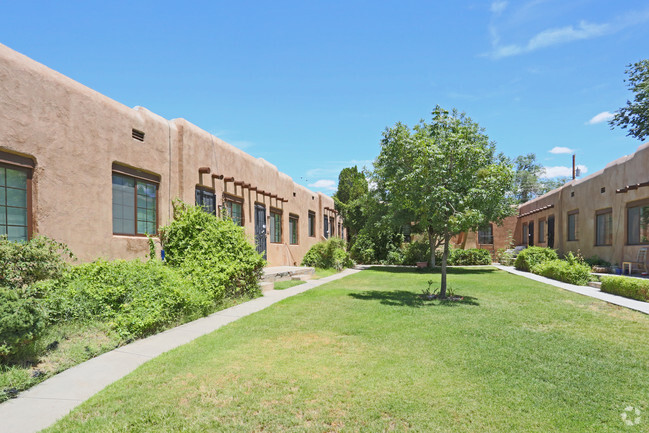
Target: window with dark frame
{"x":14,"y":202}
{"x":603,"y":227}
{"x":572,"y":225}
{"x":135,"y":208}
{"x":326,"y":226}
{"x":486,"y":235}
{"x":526,"y":232}
{"x":275,"y":227}
{"x":292,"y":229}
{"x":206,"y":198}
{"x":234,"y":209}
{"x":541,"y":231}
{"x":312,"y":224}
{"x":637,"y":225}
{"x":332,"y":227}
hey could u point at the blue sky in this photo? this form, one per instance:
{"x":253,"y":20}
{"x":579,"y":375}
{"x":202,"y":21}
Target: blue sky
{"x":310,"y":85}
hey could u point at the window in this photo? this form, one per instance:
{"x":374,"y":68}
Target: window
{"x":312,"y":224}
{"x":340,"y":230}
{"x":292,"y":229}
{"x":135,"y":210}
{"x":326,"y":227}
{"x":572,"y":225}
{"x":332,"y":226}
{"x":541,"y":231}
{"x":637,"y":225}
{"x":603,"y":226}
{"x":234,"y":208}
{"x":486,"y":235}
{"x":275,"y":227}
{"x":525,"y":239}
{"x":14,"y":202}
{"x":206,"y":199}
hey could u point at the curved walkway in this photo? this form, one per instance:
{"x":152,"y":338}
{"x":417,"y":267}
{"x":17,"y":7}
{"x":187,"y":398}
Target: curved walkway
{"x":40,"y":406}
{"x":643,"y":307}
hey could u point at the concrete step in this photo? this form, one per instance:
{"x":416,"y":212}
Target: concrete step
{"x":287,"y":273}
{"x":595,"y":284}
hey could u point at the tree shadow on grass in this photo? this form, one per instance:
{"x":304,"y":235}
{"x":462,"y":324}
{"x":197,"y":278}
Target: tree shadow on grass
{"x":469,"y":270}
{"x":404,"y":298}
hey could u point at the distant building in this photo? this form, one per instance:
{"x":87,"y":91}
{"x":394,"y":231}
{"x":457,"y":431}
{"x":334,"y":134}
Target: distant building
{"x":605,"y":214}
{"x":88,"y":171}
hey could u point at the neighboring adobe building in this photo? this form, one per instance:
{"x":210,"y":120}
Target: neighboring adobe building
{"x":90,"y":172}
{"x":604,"y":214}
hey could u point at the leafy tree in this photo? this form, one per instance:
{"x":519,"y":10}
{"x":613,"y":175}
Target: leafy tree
{"x":635,"y":115}
{"x":547,"y":185}
{"x":350,"y":197}
{"x":445,"y":176}
{"x":526,"y":178}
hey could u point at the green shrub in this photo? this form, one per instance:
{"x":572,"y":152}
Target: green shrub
{"x":328,"y":254}
{"x":416,"y":251}
{"x":212,"y":252}
{"x":532,"y":256}
{"x":597,"y":261}
{"x":472,"y":256}
{"x":24,"y":263}
{"x":362,"y":250}
{"x":633,"y":288}
{"x":562,"y":270}
{"x":135,"y":297}
{"x":395,"y":257}
{"x":21,"y":321}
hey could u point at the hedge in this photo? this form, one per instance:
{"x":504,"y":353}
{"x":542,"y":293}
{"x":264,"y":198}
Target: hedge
{"x":572,"y":273}
{"x":633,"y":288}
{"x":532,"y":256}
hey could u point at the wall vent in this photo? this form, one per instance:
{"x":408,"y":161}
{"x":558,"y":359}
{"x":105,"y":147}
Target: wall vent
{"x":138,"y":135}
{"x":603,"y":190}
{"x":572,"y":193}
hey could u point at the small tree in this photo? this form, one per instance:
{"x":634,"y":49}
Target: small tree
{"x":635,"y":115}
{"x":445,"y":176}
{"x":349,"y":198}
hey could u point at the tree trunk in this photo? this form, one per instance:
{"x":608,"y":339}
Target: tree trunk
{"x":442,"y":290}
{"x":431,"y":242}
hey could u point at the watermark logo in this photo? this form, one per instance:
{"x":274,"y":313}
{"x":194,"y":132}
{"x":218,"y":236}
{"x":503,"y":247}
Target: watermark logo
{"x":631,"y":416}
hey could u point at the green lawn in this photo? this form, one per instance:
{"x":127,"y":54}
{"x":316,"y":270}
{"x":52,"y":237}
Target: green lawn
{"x":281,"y":285}
{"x":366,"y":353}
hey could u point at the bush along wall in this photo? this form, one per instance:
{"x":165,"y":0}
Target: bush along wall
{"x":633,"y":288}
{"x":532,"y":256}
{"x":212,"y":252}
{"x":328,"y":254}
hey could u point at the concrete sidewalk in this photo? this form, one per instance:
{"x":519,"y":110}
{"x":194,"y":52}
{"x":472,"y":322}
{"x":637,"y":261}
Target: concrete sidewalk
{"x":40,"y":406}
{"x":643,"y":307}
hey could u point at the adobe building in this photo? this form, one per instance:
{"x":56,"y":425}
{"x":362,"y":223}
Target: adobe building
{"x":605,"y":214}
{"x":85,"y":170}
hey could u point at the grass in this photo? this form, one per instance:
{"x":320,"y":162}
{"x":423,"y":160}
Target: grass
{"x":281,"y":285}
{"x":323,"y":272}
{"x":59,"y":348}
{"x":367,"y":353}
{"x":65,"y":345}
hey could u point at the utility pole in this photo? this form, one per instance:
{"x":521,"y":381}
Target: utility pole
{"x":573,"y":166}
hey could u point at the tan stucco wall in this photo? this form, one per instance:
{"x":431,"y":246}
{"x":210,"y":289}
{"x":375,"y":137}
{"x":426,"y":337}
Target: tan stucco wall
{"x":75,"y":134}
{"x":588,"y":198}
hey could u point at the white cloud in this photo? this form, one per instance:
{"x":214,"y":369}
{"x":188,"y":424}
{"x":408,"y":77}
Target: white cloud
{"x":559,"y":150}
{"x":324,"y":184}
{"x":549,"y":37}
{"x":498,"y":6}
{"x":604,"y":116}
{"x":560,"y":171}
{"x":553,"y":35}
